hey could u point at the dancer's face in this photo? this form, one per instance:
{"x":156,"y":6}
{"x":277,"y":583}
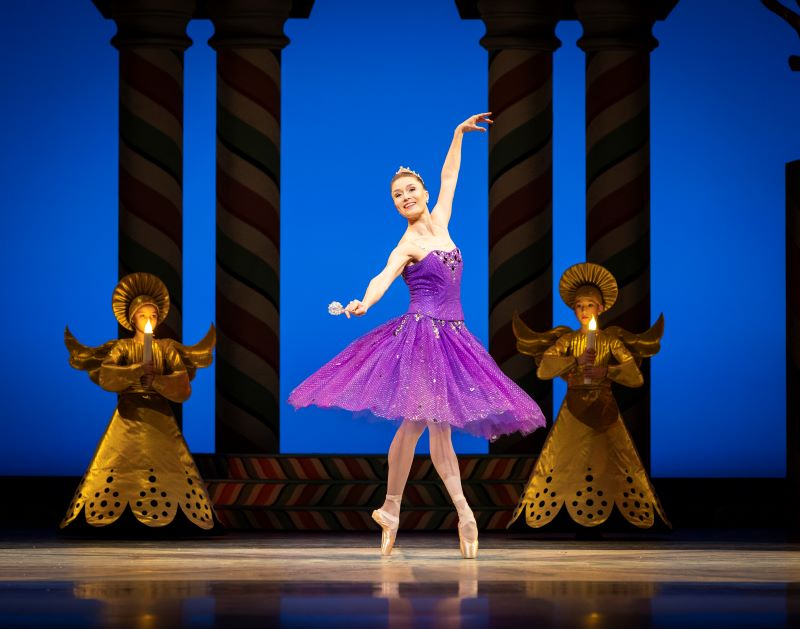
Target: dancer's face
{"x":585,"y":309}
{"x":409,"y":196}
{"x":142,"y":316}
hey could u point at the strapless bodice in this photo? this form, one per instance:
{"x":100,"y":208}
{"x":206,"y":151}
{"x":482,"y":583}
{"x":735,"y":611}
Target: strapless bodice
{"x":434,"y":284}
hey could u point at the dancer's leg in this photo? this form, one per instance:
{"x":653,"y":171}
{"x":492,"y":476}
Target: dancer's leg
{"x":444,"y":460}
{"x":401,"y":455}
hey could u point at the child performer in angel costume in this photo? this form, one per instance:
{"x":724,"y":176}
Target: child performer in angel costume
{"x":424,"y":368}
{"x":589,"y":462}
{"x":142,"y":475}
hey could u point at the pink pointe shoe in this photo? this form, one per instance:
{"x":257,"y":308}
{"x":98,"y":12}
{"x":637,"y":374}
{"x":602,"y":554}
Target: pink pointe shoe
{"x":466,"y":521}
{"x":388,"y":523}
{"x":469,"y":548}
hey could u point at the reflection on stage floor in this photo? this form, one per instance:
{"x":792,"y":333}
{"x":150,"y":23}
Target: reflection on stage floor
{"x":296,"y":580}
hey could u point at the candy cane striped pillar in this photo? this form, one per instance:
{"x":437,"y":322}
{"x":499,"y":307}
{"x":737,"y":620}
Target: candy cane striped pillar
{"x":793,"y":332}
{"x":617,"y":40}
{"x":520,"y":38}
{"x":248,"y":39}
{"x":151,"y":38}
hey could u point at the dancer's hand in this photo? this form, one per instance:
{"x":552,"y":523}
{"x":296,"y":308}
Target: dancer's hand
{"x":473,"y":123}
{"x":356,"y":308}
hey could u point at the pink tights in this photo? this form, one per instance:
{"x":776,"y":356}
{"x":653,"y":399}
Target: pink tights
{"x":401,"y":455}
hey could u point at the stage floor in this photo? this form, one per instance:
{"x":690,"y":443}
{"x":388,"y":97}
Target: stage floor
{"x":687,"y":579}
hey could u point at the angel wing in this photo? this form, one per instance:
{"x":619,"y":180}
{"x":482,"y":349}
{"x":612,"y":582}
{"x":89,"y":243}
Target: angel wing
{"x":199,"y":355}
{"x":642,"y":345}
{"x":86,"y":358}
{"x":535,"y":343}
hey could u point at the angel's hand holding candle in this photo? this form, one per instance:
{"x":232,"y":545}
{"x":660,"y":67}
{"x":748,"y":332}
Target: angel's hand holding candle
{"x":594,"y":372}
{"x":587,"y":358}
{"x":147,"y":374}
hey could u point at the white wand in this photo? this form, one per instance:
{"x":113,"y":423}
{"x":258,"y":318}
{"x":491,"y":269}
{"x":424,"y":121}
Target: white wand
{"x":335,"y":308}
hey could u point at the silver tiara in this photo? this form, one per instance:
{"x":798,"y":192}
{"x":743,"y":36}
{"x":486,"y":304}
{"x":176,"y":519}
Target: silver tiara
{"x":403,"y":171}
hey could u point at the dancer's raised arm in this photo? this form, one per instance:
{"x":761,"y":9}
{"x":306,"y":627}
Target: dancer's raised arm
{"x":452,"y":163}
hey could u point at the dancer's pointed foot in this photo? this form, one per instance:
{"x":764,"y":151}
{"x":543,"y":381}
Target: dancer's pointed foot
{"x":388,"y":524}
{"x":388,"y":518}
{"x":468,"y":538}
{"x":467,"y":528}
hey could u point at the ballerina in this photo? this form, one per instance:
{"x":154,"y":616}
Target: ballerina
{"x":423,"y":368}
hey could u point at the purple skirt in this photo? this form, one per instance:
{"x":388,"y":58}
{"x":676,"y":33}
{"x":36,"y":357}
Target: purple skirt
{"x":421,"y":369}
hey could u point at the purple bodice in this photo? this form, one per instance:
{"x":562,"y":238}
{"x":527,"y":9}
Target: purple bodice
{"x":434,"y":284}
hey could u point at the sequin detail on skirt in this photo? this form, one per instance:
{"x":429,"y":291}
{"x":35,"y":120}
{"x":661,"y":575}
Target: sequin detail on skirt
{"x":422,"y":369}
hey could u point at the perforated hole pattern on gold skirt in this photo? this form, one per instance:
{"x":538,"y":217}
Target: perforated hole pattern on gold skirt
{"x":152,"y":503}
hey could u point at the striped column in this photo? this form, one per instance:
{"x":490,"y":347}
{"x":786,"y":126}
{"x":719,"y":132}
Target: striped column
{"x":248,"y":42}
{"x":520,"y":214}
{"x":618,"y":178}
{"x":617,"y":40}
{"x":521,"y":44}
{"x":151,"y":171}
{"x":248,"y":244}
{"x":793,"y":334}
{"x":618,"y":203}
{"x":151,"y":39}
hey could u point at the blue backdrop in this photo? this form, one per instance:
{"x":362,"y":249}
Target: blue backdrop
{"x":367,"y":87}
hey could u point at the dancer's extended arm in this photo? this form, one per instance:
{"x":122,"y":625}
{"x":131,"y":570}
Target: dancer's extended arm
{"x":452,"y":163}
{"x":382,"y":281}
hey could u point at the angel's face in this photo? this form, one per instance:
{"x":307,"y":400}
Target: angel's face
{"x":142,"y":316}
{"x":585,"y":309}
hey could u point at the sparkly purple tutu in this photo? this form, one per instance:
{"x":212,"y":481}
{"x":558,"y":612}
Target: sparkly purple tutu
{"x":425,"y":365}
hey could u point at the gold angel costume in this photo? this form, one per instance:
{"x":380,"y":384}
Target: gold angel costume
{"x":142,"y":461}
{"x":589,"y":461}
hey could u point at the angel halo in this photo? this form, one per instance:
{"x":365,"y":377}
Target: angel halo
{"x":136,"y":290}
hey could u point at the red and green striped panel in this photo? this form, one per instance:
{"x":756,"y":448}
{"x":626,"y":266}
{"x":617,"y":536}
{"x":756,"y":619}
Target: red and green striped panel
{"x":520,"y":211}
{"x":362,"y":468}
{"x":351,"y":494}
{"x":330,"y":492}
{"x":151,"y":171}
{"x":248,"y":245}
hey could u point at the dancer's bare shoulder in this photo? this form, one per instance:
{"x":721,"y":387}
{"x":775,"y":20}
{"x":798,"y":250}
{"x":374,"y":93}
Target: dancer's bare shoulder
{"x":409,"y":250}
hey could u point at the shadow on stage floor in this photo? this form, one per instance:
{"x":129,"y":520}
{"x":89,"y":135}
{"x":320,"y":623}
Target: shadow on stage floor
{"x":703,"y":578}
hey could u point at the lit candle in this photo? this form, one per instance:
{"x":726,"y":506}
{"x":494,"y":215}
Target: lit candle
{"x":591,"y":342}
{"x":147,"y":355}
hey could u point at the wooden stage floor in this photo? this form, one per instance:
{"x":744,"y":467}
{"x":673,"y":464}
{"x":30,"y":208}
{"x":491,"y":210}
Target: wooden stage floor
{"x":687,"y":579}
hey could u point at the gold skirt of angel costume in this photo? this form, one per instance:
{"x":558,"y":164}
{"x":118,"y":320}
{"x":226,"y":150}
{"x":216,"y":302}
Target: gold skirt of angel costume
{"x":141,"y":462}
{"x":590,"y":466}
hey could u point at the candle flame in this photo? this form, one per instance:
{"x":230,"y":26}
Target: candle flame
{"x":148,"y":329}
{"x":593,"y":324}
